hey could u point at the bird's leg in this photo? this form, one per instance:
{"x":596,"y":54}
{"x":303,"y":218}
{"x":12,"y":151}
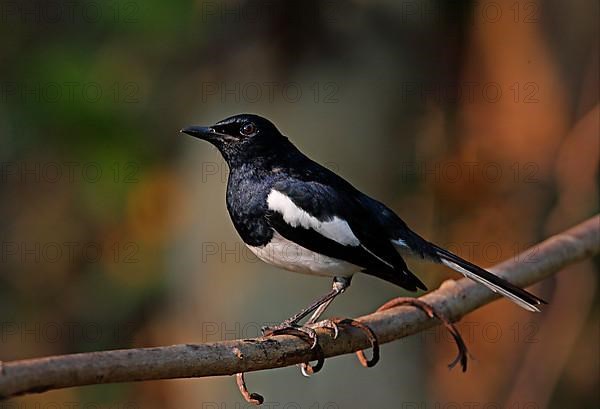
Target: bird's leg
{"x":328,"y":324}
{"x":317,"y":307}
{"x":306,"y":368}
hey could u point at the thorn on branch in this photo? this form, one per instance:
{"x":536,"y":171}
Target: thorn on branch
{"x":364,"y":361}
{"x":253,"y":398}
{"x":463,"y":353}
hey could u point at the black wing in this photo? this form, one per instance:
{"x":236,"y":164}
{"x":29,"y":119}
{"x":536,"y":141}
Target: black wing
{"x":372,"y":249}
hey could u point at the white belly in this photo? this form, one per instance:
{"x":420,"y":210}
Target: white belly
{"x":291,"y":256}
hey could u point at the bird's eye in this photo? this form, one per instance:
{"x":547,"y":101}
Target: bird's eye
{"x":248,"y":129}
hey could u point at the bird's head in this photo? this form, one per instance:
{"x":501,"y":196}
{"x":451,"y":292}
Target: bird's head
{"x":241,"y":137}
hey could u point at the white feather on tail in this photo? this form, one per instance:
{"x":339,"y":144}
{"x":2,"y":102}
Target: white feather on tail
{"x":494,"y":287}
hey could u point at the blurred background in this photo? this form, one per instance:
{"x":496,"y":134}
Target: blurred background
{"x":478,"y":122}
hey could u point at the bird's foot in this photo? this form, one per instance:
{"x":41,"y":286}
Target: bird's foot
{"x":331,"y":325}
{"x":463,"y":353}
{"x":306,"y":333}
{"x":306,"y":368}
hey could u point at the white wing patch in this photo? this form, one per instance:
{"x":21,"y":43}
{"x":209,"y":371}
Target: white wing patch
{"x":336,"y":229}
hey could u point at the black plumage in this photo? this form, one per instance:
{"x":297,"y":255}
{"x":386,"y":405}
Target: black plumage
{"x":278,"y":197}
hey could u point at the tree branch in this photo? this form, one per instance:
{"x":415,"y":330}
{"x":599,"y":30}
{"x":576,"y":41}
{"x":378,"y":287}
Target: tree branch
{"x":453,"y":298}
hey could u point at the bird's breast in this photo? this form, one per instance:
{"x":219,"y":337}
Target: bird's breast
{"x":290,"y":256}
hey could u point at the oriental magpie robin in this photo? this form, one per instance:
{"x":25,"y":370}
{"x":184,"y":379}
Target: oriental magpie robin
{"x":298,"y":215}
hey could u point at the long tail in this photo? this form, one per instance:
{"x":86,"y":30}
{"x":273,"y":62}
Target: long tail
{"x":496,"y":284}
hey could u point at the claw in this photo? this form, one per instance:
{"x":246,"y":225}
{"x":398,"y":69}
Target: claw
{"x":305,"y":333}
{"x":330,"y":325}
{"x":307,"y":369}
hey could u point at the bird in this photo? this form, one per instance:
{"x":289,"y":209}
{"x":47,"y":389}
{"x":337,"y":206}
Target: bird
{"x":300,"y":216}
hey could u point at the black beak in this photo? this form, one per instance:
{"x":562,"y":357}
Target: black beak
{"x":201,"y":132}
